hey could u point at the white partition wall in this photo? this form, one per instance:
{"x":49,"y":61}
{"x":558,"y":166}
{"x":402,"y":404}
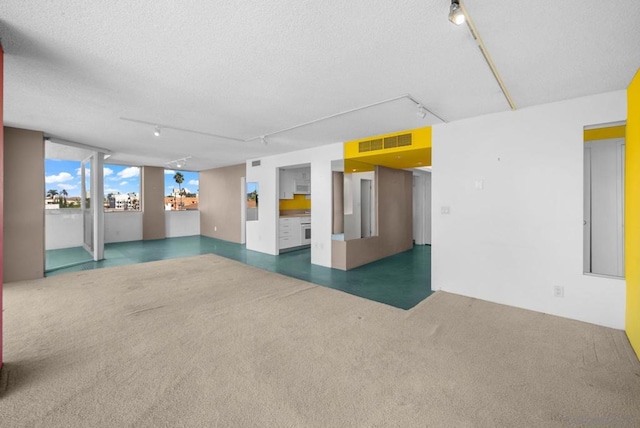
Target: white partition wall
{"x":63,"y":228}
{"x":182,"y":223}
{"x":122,"y":226}
{"x":261,"y":235}
{"x":508,"y":210}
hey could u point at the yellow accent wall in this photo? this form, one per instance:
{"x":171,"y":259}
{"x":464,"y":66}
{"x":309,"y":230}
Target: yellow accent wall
{"x":604,"y":133}
{"x":299,"y":202}
{"x":632,"y":214}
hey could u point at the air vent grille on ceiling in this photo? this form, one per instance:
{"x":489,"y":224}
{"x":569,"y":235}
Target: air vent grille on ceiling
{"x":386,"y":143}
{"x":404,"y":140}
{"x":255,"y":163}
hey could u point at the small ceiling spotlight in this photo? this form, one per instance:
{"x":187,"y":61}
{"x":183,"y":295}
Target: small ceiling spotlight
{"x":456,"y":15}
{"x":156,"y":132}
{"x":422,"y":112}
{"x":178,"y":163}
{"x":263,"y":140}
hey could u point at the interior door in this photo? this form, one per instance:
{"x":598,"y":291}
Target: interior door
{"x":604,"y":207}
{"x":91,"y":201}
{"x":586,"y":232}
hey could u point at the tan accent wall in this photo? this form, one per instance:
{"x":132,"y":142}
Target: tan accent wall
{"x":394,"y":193}
{"x":24,"y":205}
{"x":220,"y":197}
{"x":153,"y":203}
{"x":337,"y":222}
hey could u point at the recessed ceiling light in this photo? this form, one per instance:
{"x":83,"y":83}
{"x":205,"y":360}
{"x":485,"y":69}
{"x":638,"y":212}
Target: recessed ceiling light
{"x":455,"y":13}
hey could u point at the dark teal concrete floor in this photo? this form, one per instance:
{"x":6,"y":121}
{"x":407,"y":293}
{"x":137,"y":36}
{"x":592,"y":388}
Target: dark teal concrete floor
{"x":402,"y":280}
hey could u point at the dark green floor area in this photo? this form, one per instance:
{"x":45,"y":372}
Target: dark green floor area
{"x":402,"y":280}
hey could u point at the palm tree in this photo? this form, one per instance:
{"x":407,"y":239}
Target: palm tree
{"x":52,"y":193}
{"x":64,"y":195}
{"x":179,"y":178}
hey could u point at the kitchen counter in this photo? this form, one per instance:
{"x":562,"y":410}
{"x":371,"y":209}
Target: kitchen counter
{"x":294,"y":213}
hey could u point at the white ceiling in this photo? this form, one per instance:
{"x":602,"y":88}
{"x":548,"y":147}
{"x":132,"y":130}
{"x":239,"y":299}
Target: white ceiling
{"x":73,"y":69}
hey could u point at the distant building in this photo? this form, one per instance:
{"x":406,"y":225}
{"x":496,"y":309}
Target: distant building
{"x":123,"y":202}
{"x":180,"y":203}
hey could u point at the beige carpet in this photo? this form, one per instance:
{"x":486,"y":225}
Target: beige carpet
{"x":205,"y":341}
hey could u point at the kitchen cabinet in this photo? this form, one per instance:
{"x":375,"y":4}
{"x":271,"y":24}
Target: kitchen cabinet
{"x":289,"y":232}
{"x":286,"y":184}
{"x":302,"y":187}
{"x":294,"y":182}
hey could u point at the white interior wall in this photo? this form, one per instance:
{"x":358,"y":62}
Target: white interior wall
{"x":122,"y":226}
{"x":261,"y":235}
{"x":181,"y":223}
{"x":512,"y":183}
{"x":321,"y":211}
{"x":63,"y":229}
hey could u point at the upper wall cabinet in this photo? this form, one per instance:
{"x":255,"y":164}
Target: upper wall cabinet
{"x":295,"y":181}
{"x":286,"y":184}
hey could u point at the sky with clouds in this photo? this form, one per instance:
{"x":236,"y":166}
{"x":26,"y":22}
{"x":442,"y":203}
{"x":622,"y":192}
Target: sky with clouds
{"x":61,"y":174}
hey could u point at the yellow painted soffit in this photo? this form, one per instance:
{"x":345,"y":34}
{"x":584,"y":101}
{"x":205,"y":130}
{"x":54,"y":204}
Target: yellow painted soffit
{"x":399,"y":160}
{"x":421,"y":138}
{"x":604,"y":133}
{"x":418,"y":154}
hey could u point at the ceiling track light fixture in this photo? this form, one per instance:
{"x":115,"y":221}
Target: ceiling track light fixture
{"x":178,"y":163}
{"x":458,"y":10}
{"x":421,"y":106}
{"x":421,"y":112}
{"x":159,"y":126}
{"x":456,"y":14}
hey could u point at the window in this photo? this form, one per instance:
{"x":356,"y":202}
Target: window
{"x":252,"y":201}
{"x":62,"y":183}
{"x":121,"y":188}
{"x":182,"y":190}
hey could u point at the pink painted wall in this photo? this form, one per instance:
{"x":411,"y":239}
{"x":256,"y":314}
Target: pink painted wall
{"x":1,"y":187}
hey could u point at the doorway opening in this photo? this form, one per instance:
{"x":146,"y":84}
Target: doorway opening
{"x":603,"y":203}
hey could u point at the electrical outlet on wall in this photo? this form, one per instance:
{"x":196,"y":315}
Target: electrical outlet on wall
{"x":558,"y":291}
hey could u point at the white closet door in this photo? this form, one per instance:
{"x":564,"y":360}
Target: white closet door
{"x":587,"y":211}
{"x":606,"y":208}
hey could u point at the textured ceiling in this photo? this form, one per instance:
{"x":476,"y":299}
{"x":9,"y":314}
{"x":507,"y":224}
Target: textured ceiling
{"x":73,"y":69}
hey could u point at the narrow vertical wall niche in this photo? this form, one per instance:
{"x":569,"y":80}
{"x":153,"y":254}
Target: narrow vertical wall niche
{"x":603,"y":225}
